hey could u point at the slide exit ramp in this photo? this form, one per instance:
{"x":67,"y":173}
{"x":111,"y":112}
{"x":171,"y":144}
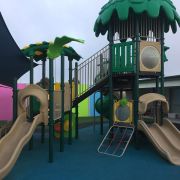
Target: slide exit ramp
{"x":165,"y":138}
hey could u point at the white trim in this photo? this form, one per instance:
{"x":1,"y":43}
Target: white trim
{"x":168,"y":83}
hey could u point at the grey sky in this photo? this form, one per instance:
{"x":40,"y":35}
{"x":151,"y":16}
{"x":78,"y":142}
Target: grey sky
{"x":31,"y":21}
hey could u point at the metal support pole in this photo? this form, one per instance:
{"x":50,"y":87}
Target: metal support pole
{"x":110,"y":38}
{"x":77,"y":123}
{"x":94,"y":112}
{"x":162,"y":60}
{"x":51,"y":109}
{"x":70,"y":112}
{"x":43,"y":72}
{"x":31,"y":98}
{"x":31,"y":70}
{"x":136,"y":78}
{"x":157,"y":91}
{"x":76,"y":108}
{"x":15,"y":99}
{"x":162,"y":66}
{"x":43,"y":86}
{"x":101,"y":115}
{"x":136,"y":81}
{"x":62,"y":105}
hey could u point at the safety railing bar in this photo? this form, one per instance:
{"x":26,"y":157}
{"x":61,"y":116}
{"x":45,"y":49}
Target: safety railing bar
{"x":96,"y":53}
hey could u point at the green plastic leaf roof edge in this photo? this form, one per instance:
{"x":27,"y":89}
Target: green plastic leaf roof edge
{"x":124,"y":7}
{"x":39,"y":50}
{"x":56,"y":49}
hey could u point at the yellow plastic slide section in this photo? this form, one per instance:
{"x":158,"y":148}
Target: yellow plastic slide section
{"x":165,"y":138}
{"x":12,"y":144}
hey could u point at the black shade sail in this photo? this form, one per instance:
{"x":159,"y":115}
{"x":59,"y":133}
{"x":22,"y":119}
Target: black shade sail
{"x":13,"y":64}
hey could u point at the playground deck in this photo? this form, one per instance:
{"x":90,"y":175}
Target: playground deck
{"x":82,"y":161}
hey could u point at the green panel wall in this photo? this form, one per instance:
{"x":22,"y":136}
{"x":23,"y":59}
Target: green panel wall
{"x":84,"y":105}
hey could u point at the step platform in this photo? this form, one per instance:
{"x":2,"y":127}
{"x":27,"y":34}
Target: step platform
{"x":116,"y":140}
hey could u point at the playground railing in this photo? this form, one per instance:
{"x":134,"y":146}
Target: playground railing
{"x":92,"y":71}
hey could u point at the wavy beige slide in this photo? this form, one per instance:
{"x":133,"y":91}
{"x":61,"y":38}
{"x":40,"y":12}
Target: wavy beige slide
{"x":12,"y":143}
{"x":165,"y":138}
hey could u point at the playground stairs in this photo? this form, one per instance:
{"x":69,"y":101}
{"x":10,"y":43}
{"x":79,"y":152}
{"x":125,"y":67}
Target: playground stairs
{"x":92,"y":74}
{"x":116,"y":140}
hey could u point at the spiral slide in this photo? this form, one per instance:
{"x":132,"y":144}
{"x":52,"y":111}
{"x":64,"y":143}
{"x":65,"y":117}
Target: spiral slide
{"x":165,"y":138}
{"x":12,"y":143}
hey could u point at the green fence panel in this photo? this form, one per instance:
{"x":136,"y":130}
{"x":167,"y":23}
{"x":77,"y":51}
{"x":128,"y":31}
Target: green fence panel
{"x":123,"y":57}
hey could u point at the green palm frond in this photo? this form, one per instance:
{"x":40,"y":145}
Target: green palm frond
{"x":56,"y":48}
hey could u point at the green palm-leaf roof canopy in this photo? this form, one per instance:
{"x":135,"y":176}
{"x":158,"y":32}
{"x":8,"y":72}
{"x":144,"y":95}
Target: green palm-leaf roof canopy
{"x":122,"y":8}
{"x":39,"y":51}
{"x":58,"y":48}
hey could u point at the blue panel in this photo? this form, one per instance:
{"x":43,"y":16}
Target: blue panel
{"x":91,"y":104}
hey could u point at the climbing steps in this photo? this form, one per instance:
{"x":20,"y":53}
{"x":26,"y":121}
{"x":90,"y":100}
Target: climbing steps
{"x":116,"y":140}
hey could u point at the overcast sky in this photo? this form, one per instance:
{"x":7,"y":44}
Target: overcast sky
{"x":31,"y":21}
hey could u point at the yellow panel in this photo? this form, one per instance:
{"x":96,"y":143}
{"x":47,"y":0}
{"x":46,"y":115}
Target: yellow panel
{"x":130,"y":119}
{"x":57,"y":87}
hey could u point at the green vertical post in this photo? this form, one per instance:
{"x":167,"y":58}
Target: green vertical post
{"x":51,"y":109}
{"x":31,"y":98}
{"x":70,"y":112}
{"x":110,"y":38}
{"x":136,"y":77}
{"x":43,"y":72}
{"x":162,"y":66}
{"x":101,"y":96}
{"x":31,"y":70}
{"x":162,"y":57}
{"x":101,"y":115}
{"x":157,"y":91}
{"x":135,"y":88}
{"x":94,"y":113}
{"x":43,"y":86}
{"x":15,"y":99}
{"x":76,"y":108}
{"x":136,"y":81}
{"x":62,"y":105}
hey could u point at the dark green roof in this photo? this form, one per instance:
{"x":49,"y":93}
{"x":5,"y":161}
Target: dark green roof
{"x":123,"y":7}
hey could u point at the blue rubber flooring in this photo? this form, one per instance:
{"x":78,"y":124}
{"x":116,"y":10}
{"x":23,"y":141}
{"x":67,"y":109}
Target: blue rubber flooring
{"x":81,"y":161}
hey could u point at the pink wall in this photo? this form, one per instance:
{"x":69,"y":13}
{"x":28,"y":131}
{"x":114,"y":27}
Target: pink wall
{"x":6,"y":102}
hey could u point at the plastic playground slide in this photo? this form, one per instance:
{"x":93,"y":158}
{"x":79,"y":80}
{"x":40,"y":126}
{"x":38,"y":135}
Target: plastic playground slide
{"x":12,"y":144}
{"x":165,"y":138}
{"x":21,"y":132}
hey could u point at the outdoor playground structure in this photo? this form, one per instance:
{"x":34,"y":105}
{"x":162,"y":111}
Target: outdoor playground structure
{"x":136,"y":50}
